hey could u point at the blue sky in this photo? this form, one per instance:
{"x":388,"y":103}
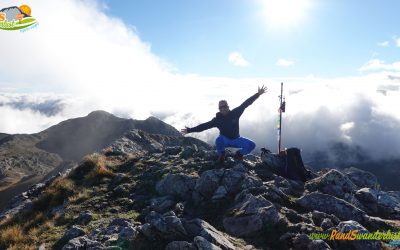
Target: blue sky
{"x":333,"y":38}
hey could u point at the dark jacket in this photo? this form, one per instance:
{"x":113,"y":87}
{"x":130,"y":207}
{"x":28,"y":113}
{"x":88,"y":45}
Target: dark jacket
{"x":228,"y":124}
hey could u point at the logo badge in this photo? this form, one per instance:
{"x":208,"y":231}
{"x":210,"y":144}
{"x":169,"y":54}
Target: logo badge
{"x":17,"y":18}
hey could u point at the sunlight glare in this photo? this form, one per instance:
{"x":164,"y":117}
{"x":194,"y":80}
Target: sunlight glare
{"x":285,"y":13}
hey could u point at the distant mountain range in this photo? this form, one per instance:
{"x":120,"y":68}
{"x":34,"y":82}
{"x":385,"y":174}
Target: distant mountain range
{"x":341,"y":155}
{"x":25,"y":159}
{"x":2,"y":135}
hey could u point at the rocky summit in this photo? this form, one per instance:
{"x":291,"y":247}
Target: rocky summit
{"x":28,"y":159}
{"x":148,"y":191}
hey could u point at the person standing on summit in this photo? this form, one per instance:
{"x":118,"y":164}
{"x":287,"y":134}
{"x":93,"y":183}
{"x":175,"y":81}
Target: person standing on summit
{"x":227,"y":121}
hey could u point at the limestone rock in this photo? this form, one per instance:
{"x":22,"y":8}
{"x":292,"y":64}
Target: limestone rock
{"x":178,"y":185}
{"x":250,"y":215}
{"x":331,"y":205}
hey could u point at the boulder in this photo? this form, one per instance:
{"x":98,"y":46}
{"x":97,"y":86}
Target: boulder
{"x":250,"y":181}
{"x":198,"y":227}
{"x":219,"y":194}
{"x":287,"y":186}
{"x":208,"y":182}
{"x":273,"y":162}
{"x":233,"y":178}
{"x":178,"y":185}
{"x":71,"y":233}
{"x":293,"y":216}
{"x":273,"y":193}
{"x":250,"y":215}
{"x":326,"y":224}
{"x":318,"y":245}
{"x":388,"y":205}
{"x":84,"y":218}
{"x":318,"y":217}
{"x":162,"y":204}
{"x":368,"y":198}
{"x":361,"y":178}
{"x":264,"y":172}
{"x":168,"y":225}
{"x":380,"y":203}
{"x":128,"y":233}
{"x":82,"y":242}
{"x":146,"y":230}
{"x":331,"y":205}
{"x":347,"y":226}
{"x":203,"y":244}
{"x":218,"y":183}
{"x":333,"y":182}
{"x":121,"y":222}
{"x":300,"y":241}
{"x":180,"y":245}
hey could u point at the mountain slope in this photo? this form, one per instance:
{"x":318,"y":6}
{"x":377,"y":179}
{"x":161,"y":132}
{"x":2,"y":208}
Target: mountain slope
{"x":75,"y":138}
{"x":26,"y":159}
{"x":2,"y":135}
{"x":139,"y":193}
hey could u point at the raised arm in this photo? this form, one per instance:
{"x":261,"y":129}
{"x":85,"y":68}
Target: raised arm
{"x":251,"y":99}
{"x":199,"y":128}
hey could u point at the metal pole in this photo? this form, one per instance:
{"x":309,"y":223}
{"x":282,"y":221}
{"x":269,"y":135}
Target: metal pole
{"x":280,"y":119}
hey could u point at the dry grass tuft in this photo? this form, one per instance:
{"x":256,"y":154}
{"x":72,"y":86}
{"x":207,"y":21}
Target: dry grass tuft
{"x":100,"y":169}
{"x":55,"y":195}
{"x":80,"y":196}
{"x":93,"y":168}
{"x":11,"y":235}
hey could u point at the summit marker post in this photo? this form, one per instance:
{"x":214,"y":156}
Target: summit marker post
{"x":282,"y":106}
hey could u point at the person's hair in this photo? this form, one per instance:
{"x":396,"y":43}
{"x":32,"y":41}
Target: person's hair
{"x":222,"y":101}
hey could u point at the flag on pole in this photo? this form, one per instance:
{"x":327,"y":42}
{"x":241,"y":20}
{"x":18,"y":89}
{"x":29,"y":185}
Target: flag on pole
{"x":282,"y":107}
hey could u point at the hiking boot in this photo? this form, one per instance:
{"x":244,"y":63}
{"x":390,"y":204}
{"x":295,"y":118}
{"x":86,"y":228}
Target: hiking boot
{"x":221,"y":158}
{"x":238,"y":156}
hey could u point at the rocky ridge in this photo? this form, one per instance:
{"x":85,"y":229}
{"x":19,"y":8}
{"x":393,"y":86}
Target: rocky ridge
{"x":26,"y":159}
{"x":150,"y":191}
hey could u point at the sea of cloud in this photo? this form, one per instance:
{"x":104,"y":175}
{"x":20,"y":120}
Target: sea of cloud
{"x":81,"y":59}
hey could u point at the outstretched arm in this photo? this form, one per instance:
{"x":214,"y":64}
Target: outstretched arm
{"x":250,"y":100}
{"x":199,"y":128}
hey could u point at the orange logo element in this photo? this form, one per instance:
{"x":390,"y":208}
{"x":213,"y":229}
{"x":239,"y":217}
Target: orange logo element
{"x":2,"y":16}
{"x":351,"y":235}
{"x":26,"y":9}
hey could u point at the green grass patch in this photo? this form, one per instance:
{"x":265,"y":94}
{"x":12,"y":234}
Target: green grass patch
{"x":130,"y":215}
{"x":27,"y":20}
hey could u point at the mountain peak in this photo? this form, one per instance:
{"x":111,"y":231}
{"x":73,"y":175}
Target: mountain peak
{"x":152,"y":118}
{"x":99,"y":113}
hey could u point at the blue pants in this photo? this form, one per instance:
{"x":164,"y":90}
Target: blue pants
{"x":245,"y":145}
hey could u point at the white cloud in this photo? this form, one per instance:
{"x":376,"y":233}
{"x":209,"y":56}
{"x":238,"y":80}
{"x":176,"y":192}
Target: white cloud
{"x":377,"y":64}
{"x":398,"y":42}
{"x":83,"y":60}
{"x":284,"y":62}
{"x":237,"y":59}
{"x":79,"y":49}
{"x":384,"y":44}
{"x":318,"y":112}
